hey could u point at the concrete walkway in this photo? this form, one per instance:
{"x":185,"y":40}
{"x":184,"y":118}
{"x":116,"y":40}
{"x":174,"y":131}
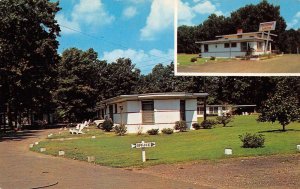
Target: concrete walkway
{"x":21,"y":168}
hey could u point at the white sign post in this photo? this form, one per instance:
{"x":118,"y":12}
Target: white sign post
{"x":267,"y":26}
{"x":143,"y":145}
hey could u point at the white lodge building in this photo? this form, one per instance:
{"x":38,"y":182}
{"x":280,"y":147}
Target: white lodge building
{"x":233,"y":45}
{"x":143,"y":112}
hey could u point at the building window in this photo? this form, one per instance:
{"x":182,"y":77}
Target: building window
{"x":205,"y":47}
{"x":200,"y":110}
{"x":148,"y":112}
{"x":226,"y":45}
{"x":215,"y":110}
{"x":240,"y":36}
{"x":244,"y":46}
{"x":111,"y":112}
{"x":233,"y":44}
{"x":182,"y":110}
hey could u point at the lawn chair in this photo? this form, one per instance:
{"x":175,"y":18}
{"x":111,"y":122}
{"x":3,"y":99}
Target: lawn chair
{"x":79,"y":130}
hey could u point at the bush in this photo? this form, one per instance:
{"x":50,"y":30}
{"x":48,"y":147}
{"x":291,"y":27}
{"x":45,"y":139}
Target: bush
{"x":196,"y":126}
{"x":153,"y":131}
{"x":252,"y":140}
{"x":224,"y":119}
{"x":181,"y":126}
{"x":212,"y":58}
{"x":194,"y":59}
{"x":167,"y":131}
{"x":208,"y":124}
{"x":120,"y":130}
{"x":107,"y":125}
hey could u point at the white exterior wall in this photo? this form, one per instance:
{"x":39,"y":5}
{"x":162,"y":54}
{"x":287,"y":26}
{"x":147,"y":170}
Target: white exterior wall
{"x":191,"y":112}
{"x":166,"y":113}
{"x":218,"y":50}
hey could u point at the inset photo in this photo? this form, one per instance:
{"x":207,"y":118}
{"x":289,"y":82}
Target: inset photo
{"x":238,"y":38}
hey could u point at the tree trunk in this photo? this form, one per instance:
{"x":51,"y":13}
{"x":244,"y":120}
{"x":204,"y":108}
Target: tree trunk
{"x":9,"y":116}
{"x":283,"y":128}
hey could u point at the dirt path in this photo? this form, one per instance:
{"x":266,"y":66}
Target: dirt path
{"x":284,"y":64}
{"x":257,"y":172}
{"x":20,"y":168}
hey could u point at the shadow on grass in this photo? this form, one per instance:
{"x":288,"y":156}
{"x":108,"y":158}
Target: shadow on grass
{"x":152,"y":159}
{"x":280,"y":131}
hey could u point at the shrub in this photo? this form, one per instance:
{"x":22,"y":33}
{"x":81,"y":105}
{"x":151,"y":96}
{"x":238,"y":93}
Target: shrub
{"x":196,"y":126}
{"x":252,"y":140}
{"x":167,"y":131}
{"x":153,"y":131}
{"x":212,"y":58}
{"x":107,"y":125}
{"x":208,"y":124}
{"x":120,"y":130}
{"x":181,"y":126}
{"x":194,"y":59}
{"x":224,"y":119}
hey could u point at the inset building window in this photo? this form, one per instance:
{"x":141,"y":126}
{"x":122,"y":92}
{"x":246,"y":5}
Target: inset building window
{"x":227,"y":45}
{"x":205,"y":47}
{"x":148,"y":112}
{"x":233,"y":45}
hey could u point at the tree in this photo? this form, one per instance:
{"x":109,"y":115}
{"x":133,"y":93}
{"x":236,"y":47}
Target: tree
{"x":28,"y":55}
{"x":283,"y":106}
{"x":77,"y":94}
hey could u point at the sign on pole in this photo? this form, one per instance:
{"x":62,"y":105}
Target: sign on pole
{"x":267,"y":26}
{"x":143,"y":145}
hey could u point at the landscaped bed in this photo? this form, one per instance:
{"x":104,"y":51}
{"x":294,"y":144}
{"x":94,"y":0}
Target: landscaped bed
{"x":115,"y":151}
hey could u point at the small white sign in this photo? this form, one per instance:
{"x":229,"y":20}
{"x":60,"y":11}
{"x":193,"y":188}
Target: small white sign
{"x":143,"y":145}
{"x":61,"y":153}
{"x":42,"y":149}
{"x":228,"y":151}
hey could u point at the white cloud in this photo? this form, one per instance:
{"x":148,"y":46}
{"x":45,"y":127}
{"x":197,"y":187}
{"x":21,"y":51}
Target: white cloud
{"x":129,"y":12}
{"x":90,"y":13}
{"x":205,"y":8}
{"x":143,"y":60}
{"x":294,"y":22}
{"x":161,"y":18}
{"x":187,"y":12}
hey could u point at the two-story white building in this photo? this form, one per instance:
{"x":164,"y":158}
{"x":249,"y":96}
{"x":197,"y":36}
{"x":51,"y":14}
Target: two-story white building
{"x":234,"y":45}
{"x":143,"y":112}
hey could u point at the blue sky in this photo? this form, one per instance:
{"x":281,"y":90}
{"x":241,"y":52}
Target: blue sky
{"x":194,"y":12}
{"x":138,"y":29}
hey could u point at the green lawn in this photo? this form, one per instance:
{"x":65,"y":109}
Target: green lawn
{"x":185,"y":59}
{"x":209,"y":144}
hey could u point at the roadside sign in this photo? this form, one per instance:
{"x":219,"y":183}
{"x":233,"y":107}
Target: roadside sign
{"x":267,"y":26}
{"x":143,"y":145}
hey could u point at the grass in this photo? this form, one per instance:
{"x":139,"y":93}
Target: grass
{"x":185,"y":59}
{"x":111,"y":150}
{"x":288,"y":63}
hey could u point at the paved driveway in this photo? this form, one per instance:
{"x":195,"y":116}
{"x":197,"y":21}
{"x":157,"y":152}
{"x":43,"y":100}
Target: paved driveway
{"x":21,"y":168}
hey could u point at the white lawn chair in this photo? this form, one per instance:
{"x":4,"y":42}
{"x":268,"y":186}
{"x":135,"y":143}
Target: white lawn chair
{"x":79,"y":130}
